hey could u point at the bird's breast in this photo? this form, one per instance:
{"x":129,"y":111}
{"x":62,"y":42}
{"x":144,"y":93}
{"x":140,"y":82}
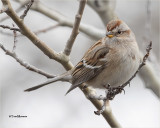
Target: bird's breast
{"x":117,"y":71}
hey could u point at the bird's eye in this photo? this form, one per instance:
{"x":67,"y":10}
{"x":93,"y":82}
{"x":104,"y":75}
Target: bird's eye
{"x":119,"y":32}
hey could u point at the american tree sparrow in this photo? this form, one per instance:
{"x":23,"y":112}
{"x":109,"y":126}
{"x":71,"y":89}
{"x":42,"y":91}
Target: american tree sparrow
{"x":112,"y":60}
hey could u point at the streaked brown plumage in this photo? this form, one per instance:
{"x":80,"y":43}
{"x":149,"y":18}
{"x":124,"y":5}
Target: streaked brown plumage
{"x":112,"y":60}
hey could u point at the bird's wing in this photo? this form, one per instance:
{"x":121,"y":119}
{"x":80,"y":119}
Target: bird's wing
{"x":91,"y":64}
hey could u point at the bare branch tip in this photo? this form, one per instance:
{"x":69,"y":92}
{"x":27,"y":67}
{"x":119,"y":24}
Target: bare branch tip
{"x":15,"y":40}
{"x":75,"y":29}
{"x":28,"y":6}
{"x":10,"y":28}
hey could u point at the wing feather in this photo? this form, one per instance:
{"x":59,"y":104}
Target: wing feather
{"x":91,"y":64}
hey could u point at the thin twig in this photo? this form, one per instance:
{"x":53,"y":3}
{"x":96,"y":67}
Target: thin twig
{"x":15,"y":40}
{"x":46,"y":29}
{"x":25,"y":64}
{"x":17,"y":10}
{"x":75,"y":29}
{"x":89,"y":30}
{"x":36,"y":32}
{"x":10,"y":28}
{"x":141,"y":65}
{"x":27,"y":9}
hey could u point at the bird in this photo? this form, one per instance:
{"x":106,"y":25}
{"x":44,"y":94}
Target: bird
{"x":110,"y":61}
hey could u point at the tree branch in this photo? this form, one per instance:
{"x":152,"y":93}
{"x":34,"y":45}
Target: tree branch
{"x":75,"y":29}
{"x":35,"y":32}
{"x":27,"y":9}
{"x":107,"y":114}
{"x":17,"y":10}
{"x":25,"y":64}
{"x":10,"y":28}
{"x":15,"y":40}
{"x":46,"y":29}
{"x":89,"y":30}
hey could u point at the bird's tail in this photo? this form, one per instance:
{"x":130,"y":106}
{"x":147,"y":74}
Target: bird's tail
{"x":71,"y":88}
{"x":63,"y":77}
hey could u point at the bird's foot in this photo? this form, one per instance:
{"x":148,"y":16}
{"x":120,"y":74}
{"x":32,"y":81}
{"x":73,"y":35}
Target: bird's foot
{"x":110,"y":94}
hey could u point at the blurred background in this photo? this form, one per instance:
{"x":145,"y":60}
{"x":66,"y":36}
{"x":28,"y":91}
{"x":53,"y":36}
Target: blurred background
{"x":49,"y":107}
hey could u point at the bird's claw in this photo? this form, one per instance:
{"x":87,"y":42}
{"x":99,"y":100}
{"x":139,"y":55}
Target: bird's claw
{"x":110,"y":94}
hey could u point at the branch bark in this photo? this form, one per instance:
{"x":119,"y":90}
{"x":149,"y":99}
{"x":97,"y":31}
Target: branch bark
{"x":17,"y":10}
{"x":107,"y":114}
{"x":10,"y":28}
{"x":27,"y":9}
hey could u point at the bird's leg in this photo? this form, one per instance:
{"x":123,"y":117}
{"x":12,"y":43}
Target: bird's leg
{"x":110,"y":94}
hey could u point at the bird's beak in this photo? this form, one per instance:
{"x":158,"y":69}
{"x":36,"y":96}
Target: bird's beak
{"x":109,"y":34}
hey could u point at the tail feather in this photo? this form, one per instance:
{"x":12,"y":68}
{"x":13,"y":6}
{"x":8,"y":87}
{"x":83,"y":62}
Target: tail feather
{"x":64,"y":77}
{"x":71,"y":88}
{"x":34,"y":88}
